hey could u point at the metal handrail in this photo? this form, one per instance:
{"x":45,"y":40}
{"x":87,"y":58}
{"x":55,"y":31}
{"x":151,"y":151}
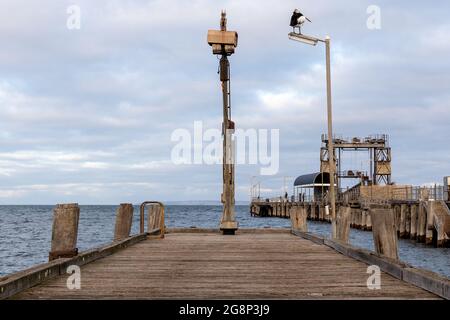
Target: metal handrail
{"x":142,"y":216}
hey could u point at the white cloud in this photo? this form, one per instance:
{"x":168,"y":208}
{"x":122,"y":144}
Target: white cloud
{"x":82,"y":113}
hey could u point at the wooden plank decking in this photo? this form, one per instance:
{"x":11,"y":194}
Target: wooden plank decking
{"x":209,"y":265}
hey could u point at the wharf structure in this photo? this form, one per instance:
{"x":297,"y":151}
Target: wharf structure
{"x":190,"y":263}
{"x":421,"y":213}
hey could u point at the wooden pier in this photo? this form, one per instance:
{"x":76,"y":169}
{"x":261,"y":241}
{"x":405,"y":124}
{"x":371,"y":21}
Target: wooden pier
{"x":421,"y":219}
{"x":203,"y":264}
{"x":191,"y":263}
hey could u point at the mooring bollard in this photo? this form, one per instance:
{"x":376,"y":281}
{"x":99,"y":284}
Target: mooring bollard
{"x":64,"y":231}
{"x":343,"y":223}
{"x":384,"y":233}
{"x":124,"y":220}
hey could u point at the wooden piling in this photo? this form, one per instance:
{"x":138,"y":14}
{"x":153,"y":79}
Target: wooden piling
{"x":429,"y":224}
{"x":64,"y":231}
{"x":154,"y":218}
{"x":414,"y":214}
{"x":368,"y":221}
{"x":288,"y":209}
{"x":343,"y":224}
{"x":299,"y":218}
{"x":359,"y":219}
{"x":316,"y":211}
{"x":363,"y":220}
{"x":421,"y":222}
{"x":408,"y":222}
{"x":352,"y":218}
{"x":397,"y":219}
{"x":124,"y":219}
{"x":321,"y":212}
{"x":402,"y":221}
{"x":384,"y":234}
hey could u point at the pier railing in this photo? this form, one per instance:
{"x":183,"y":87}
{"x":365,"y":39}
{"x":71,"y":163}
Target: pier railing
{"x":156,"y":222}
{"x":375,"y":193}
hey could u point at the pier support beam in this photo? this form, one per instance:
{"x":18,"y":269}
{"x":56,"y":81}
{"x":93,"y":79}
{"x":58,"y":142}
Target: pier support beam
{"x":402,"y":221}
{"x":368,"y":220}
{"x":421,"y":223}
{"x":396,"y":209}
{"x":343,"y":224}
{"x":408,"y":222}
{"x":384,"y":234}
{"x":124,"y":219}
{"x":429,"y":224}
{"x":64,"y":231}
{"x":414,"y":214}
{"x":299,"y":218}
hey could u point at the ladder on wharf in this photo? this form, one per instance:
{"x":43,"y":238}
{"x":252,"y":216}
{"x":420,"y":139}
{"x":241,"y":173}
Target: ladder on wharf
{"x":204,"y":264}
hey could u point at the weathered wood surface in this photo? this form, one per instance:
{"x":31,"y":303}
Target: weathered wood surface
{"x":343,"y":224}
{"x":298,"y":217}
{"x":384,"y":234}
{"x":124,"y":220}
{"x":65,"y":231}
{"x":208,"y":265}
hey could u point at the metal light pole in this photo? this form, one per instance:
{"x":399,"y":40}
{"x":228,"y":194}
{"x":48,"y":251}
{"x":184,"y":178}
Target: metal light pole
{"x":223,"y":43}
{"x":331,"y":163}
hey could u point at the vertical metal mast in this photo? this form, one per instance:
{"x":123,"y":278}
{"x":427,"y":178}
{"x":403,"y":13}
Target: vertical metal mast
{"x":223,"y":43}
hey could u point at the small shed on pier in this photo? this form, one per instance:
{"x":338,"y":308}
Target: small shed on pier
{"x":311,"y":187}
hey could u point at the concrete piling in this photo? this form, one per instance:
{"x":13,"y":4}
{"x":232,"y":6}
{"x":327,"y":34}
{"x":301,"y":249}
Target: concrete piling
{"x":64,"y":231}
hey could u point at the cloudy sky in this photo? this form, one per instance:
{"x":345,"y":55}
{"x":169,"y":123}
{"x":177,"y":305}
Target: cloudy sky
{"x":87,"y":115}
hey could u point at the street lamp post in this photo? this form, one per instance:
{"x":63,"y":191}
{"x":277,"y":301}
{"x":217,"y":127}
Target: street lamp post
{"x":331,"y":163}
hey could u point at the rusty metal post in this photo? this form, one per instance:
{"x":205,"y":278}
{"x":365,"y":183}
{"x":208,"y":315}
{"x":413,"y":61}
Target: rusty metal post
{"x":330,"y":141}
{"x":228,"y":224}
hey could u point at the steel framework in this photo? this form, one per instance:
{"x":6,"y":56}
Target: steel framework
{"x":380,"y":158}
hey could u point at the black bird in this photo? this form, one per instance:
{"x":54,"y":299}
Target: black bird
{"x":297,"y":20}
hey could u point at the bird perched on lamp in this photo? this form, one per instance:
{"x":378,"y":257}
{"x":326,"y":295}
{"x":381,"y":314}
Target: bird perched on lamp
{"x":297,"y":20}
